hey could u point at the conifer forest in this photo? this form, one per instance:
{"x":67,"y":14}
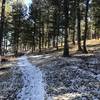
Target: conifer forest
{"x":49,"y":49}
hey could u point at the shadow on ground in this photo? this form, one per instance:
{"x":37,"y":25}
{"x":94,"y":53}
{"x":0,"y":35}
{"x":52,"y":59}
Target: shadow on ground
{"x":74,"y":78}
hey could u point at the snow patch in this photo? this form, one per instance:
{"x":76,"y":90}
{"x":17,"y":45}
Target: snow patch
{"x":98,"y":77}
{"x":41,"y":56}
{"x":33,"y":88}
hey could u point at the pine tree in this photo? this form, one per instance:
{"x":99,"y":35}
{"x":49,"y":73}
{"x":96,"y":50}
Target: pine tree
{"x":2,"y":24}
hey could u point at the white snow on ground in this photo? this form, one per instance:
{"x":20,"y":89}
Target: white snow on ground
{"x":33,"y":88}
{"x":98,"y":77}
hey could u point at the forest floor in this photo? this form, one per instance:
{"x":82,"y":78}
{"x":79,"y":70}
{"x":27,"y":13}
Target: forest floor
{"x":10,"y":80}
{"x":53,"y":77}
{"x":72,"y":78}
{"x":20,"y":80}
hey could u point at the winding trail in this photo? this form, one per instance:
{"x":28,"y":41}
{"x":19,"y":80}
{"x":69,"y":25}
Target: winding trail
{"x":33,"y":88}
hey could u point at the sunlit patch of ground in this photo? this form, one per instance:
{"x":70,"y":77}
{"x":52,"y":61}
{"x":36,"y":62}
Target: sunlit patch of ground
{"x":93,"y":42}
{"x":92,"y":46}
{"x":73,"y":78}
{"x":68,"y":96}
{"x":7,"y":58}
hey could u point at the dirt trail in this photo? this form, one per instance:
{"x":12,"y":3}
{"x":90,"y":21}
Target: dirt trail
{"x":33,"y":88}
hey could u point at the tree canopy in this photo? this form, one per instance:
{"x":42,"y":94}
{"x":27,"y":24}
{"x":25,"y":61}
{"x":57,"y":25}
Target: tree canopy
{"x":48,"y":24}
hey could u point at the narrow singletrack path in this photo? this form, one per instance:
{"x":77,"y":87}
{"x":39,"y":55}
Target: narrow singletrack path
{"x":33,"y":86}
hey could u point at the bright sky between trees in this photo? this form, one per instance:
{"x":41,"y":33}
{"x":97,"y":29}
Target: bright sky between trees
{"x":27,"y":2}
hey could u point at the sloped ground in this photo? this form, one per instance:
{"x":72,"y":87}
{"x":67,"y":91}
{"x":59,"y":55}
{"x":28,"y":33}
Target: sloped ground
{"x":33,"y":87}
{"x":10,"y":81}
{"x":20,"y":80}
{"x":73,"y":78}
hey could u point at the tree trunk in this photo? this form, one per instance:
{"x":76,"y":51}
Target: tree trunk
{"x":73,"y":37}
{"x":33,"y":39}
{"x":43,"y":35}
{"x":2,"y":24}
{"x":66,"y":45}
{"x":58,"y":18}
{"x":54,"y":43}
{"x":86,"y":27}
{"x":74,"y":21}
{"x":78,"y":27}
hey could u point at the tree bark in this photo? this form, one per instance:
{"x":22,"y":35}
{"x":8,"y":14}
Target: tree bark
{"x":2,"y":24}
{"x":66,"y":45}
{"x":86,"y":27}
{"x":78,"y":27}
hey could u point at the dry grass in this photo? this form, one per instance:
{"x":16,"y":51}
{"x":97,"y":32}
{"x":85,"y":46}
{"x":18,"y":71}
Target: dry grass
{"x":93,"y":42}
{"x":92,"y":46}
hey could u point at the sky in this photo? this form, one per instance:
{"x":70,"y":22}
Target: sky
{"x":27,"y":2}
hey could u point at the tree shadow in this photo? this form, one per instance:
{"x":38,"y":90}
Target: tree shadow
{"x":75,"y":77}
